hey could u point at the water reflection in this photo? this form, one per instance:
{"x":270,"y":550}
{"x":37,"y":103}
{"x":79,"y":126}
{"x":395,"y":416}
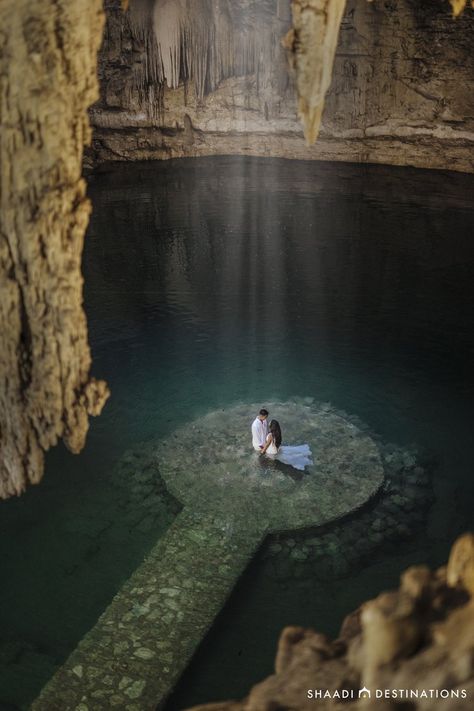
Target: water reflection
{"x":255,"y":252}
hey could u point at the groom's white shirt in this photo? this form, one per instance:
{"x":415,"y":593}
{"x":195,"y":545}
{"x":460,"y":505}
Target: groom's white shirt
{"x":259,"y":433}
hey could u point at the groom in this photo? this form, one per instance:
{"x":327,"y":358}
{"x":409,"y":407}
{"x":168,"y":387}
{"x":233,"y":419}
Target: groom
{"x":260,"y":430}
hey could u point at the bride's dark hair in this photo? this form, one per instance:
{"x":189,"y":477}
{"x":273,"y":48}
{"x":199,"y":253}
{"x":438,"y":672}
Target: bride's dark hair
{"x":276,"y":432}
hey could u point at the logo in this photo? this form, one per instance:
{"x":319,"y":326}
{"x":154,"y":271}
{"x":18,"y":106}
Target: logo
{"x":403,"y":694}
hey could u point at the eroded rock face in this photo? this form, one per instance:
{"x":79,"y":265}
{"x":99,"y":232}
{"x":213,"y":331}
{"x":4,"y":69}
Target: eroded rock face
{"x":401,"y":92}
{"x":48,"y":63}
{"x":420,"y":636}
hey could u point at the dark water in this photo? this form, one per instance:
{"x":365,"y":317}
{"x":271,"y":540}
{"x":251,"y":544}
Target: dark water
{"x":214,"y":280}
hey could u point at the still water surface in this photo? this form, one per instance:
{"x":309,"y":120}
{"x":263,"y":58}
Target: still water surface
{"x":220,"y":279}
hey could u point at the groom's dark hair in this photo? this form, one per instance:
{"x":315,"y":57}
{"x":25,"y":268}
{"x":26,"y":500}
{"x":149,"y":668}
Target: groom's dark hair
{"x":263,"y":412}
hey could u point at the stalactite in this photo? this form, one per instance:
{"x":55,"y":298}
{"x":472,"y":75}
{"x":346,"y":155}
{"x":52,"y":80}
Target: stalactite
{"x":169,"y":25}
{"x":202,"y":42}
{"x":458,"y":6}
{"x":207,"y":42}
{"x":193,"y":42}
{"x":313,"y":42}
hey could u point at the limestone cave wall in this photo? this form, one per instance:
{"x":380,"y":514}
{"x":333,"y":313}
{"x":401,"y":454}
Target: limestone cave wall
{"x":401,"y":90}
{"x":411,"y":648}
{"x":48,"y":59}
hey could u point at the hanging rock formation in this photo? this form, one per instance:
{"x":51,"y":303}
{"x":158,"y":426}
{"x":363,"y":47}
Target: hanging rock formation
{"x":203,"y":44}
{"x":313,"y":41}
{"x":459,"y":6}
{"x":400,"y":92}
{"x":48,"y":63}
{"x":418,"y":637}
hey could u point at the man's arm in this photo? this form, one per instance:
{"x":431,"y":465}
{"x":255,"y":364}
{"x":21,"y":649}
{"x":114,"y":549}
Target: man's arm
{"x":257,"y":433}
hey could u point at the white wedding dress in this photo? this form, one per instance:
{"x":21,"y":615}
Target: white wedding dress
{"x":298,"y":456}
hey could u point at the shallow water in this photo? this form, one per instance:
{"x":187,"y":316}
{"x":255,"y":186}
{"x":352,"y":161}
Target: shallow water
{"x":217,"y":280}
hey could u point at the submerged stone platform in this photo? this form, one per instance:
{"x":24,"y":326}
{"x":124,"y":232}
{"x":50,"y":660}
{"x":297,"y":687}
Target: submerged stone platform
{"x":232,"y":498}
{"x":210,"y":464}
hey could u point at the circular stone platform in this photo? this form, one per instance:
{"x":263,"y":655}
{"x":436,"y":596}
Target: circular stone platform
{"x":232,"y":499}
{"x":209,"y":464}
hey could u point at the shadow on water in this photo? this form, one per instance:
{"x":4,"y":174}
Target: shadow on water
{"x":213,"y":280}
{"x":267,"y":463}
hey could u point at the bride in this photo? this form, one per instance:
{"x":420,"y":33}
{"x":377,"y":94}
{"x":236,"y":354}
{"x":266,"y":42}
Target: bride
{"x":298,"y":457}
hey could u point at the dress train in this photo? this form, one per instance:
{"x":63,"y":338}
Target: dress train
{"x":298,"y":456}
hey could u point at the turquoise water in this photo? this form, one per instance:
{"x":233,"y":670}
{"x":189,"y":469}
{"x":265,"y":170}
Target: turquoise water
{"x":213,"y":280}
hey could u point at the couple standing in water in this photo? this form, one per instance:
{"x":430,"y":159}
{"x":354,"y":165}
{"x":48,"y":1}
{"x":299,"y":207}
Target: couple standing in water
{"x":267,"y":440}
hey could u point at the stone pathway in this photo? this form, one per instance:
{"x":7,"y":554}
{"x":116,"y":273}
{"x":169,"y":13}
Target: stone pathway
{"x":141,"y":644}
{"x":232,"y":499}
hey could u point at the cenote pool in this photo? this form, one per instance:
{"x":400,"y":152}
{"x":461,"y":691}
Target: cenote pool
{"x":225,"y":280}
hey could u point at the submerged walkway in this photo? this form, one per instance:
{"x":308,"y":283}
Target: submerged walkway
{"x":232,"y":499}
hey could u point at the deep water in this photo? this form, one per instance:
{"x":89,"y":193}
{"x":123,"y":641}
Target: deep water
{"x":215,"y":280}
